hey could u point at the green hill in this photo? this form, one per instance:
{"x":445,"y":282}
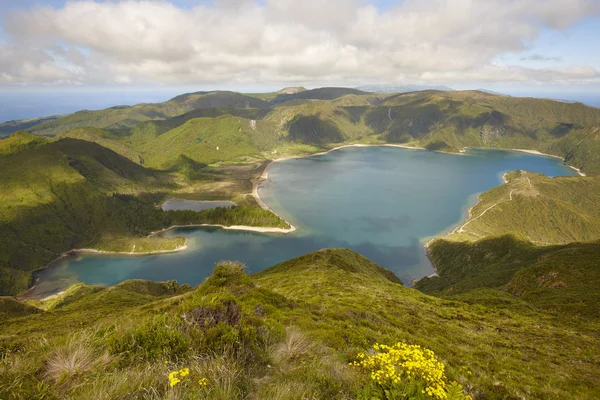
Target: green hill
{"x":326,"y":93}
{"x":437,"y":120}
{"x":193,"y":142}
{"x":128,"y":116}
{"x":198,"y":100}
{"x":20,"y":141}
{"x":530,"y":227}
{"x":512,"y":312}
{"x":478,"y":119}
{"x":534,"y":237}
{"x":290,"y":332}
{"x":9,"y":127}
{"x":538,"y":209}
{"x":328,"y":259}
{"x":208,"y":140}
{"x":12,"y":308}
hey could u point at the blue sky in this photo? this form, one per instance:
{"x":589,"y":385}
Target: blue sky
{"x":528,"y":46}
{"x":578,"y":44}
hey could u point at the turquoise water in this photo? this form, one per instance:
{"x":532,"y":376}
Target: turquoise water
{"x":382,"y":202}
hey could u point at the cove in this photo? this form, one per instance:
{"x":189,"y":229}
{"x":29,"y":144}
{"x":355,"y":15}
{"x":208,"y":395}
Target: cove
{"x":383,"y":202}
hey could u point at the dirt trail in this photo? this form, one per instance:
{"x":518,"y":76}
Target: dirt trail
{"x":462,"y":228}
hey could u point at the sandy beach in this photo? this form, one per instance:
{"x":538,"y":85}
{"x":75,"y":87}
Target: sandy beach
{"x":266,"y":171}
{"x":539,"y":153}
{"x":232,"y":228}
{"x":123,"y":253}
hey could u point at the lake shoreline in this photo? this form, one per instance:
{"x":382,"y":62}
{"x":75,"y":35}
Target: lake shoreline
{"x":265,"y":174}
{"x":123,"y":253}
{"x":230,"y":228}
{"x":257,"y":184}
{"x":460,"y":224}
{"x":504,"y":180}
{"x":539,"y":153}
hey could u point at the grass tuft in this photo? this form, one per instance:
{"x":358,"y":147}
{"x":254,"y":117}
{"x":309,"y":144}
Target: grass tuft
{"x":76,"y":358}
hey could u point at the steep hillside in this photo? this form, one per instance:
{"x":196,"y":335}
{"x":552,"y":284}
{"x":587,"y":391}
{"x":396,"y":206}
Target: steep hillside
{"x":581,"y":148}
{"x":62,"y":196}
{"x":11,"y":308}
{"x":526,"y":238}
{"x":335,"y":260}
{"x":319,"y":122}
{"x":237,"y":133}
{"x":477,"y":119}
{"x":113,"y":141}
{"x":291,"y":332}
{"x":208,"y":140}
{"x":557,"y":278}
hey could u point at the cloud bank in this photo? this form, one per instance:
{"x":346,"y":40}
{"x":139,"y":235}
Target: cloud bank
{"x":283,"y":41}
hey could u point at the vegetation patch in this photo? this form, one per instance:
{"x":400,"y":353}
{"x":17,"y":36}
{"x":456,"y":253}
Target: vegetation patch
{"x":292,"y":332}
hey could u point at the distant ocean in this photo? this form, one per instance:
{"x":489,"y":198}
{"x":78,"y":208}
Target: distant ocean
{"x":23,"y":105}
{"x":589,"y":99}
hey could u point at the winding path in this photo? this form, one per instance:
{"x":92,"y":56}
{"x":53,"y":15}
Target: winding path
{"x":462,"y":228}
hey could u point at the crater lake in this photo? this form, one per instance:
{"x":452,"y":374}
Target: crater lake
{"x":383,"y":202}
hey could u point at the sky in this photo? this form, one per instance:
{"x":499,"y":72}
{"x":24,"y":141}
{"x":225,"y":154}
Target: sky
{"x":509,"y":46}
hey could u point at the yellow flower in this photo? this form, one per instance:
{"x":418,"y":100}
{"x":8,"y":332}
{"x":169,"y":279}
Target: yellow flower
{"x":174,"y":381}
{"x":403,"y":364}
{"x":203,"y":382}
{"x":174,"y":377}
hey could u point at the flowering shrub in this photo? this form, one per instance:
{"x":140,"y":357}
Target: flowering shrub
{"x":404,"y":371}
{"x":175,"y":378}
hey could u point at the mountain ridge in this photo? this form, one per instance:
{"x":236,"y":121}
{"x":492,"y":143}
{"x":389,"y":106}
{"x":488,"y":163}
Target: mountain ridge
{"x":433,"y":119}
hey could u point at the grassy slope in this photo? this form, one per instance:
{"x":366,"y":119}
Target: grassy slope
{"x":542,"y":210}
{"x":439,"y":120}
{"x":477,"y":119}
{"x":288,"y":332}
{"x":207,"y":140}
{"x":326,"y":93}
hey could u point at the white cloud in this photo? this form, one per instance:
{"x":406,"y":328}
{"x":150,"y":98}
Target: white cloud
{"x":283,"y":41}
